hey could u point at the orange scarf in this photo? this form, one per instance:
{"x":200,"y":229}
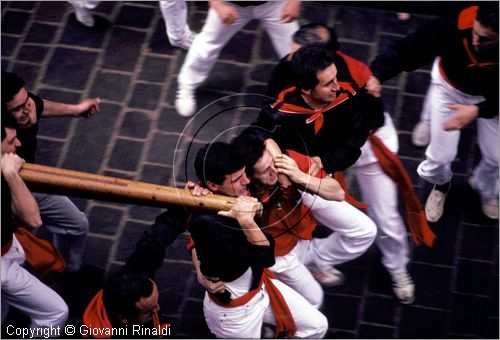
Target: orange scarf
{"x":415,"y":215}
{"x":284,"y":318}
{"x":95,"y":316}
{"x":316,"y":116}
{"x":42,"y":255}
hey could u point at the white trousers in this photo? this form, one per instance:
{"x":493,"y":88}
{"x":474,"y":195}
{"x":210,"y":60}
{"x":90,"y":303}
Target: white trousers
{"x":354,"y":233}
{"x":246,"y":321}
{"x":215,"y":34}
{"x":25,"y":292}
{"x":174,"y":14}
{"x":381,"y":194}
{"x":442,"y":149}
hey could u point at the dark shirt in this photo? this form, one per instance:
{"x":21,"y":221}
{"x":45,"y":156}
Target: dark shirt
{"x":149,"y":251}
{"x":8,"y":226}
{"x":443,"y":38}
{"x":247,"y":3}
{"x":344,"y":131}
{"x":27,"y":136}
{"x":224,"y":251}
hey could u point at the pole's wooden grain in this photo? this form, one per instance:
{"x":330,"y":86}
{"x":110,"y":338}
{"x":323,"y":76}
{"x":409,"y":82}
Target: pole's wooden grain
{"x":84,"y":184}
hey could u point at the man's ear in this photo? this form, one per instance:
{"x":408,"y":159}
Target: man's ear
{"x":212,"y":187}
{"x":305,"y":91}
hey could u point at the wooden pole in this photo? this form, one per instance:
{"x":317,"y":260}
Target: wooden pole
{"x":83,"y":184}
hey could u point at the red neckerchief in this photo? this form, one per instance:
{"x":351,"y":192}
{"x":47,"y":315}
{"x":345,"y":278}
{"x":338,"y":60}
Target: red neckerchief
{"x":316,"y":114}
{"x":465,"y":21}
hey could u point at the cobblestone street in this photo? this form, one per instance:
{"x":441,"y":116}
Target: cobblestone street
{"x":126,"y":60}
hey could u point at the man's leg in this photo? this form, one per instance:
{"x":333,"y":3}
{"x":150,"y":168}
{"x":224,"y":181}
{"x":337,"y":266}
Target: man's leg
{"x":310,"y":322}
{"x":290,"y":270}
{"x":485,"y":178}
{"x":69,"y":226}
{"x":280,"y":33}
{"x":174,"y":14}
{"x":202,"y":56}
{"x":25,"y":292}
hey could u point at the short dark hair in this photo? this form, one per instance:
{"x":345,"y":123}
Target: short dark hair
{"x":122,"y":291}
{"x":309,"y":34}
{"x":487,"y":16}
{"x":307,"y":61}
{"x":251,"y":144}
{"x":11,"y":84}
{"x":8,"y":121}
{"x":216,"y":160}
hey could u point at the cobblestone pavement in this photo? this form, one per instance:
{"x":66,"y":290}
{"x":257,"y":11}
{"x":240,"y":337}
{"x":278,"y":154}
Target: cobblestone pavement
{"x":127,"y":61}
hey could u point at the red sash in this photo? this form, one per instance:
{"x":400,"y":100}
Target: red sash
{"x":282,"y":314}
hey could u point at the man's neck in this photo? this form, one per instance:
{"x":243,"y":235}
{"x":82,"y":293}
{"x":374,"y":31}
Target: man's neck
{"x":313,"y":103}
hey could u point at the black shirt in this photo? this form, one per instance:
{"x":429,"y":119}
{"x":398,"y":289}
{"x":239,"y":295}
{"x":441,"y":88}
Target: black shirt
{"x":27,"y":136}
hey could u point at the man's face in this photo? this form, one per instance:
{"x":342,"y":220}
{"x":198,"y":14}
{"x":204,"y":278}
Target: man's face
{"x":264,"y":170}
{"x":20,"y":107}
{"x":234,"y":184}
{"x":326,"y":90}
{"x":484,"y":39}
{"x":146,"y":307}
{"x":10,"y":142}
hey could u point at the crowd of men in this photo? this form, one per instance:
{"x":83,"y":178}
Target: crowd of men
{"x":259,"y":262}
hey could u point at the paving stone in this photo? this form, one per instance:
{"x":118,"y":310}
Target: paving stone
{"x":262,"y":72}
{"x":380,"y":310}
{"x":428,"y":293}
{"x":8,"y":45}
{"x":227,"y":77}
{"x":104,"y":220}
{"x":47,"y":152}
{"x":354,"y":281}
{"x":52,"y":11}
{"x":170,"y":121}
{"x":5,"y":64}
{"x":145,"y":96}
{"x":355,"y":23}
{"x":135,"y":16}
{"x":69,"y":68}
{"x":123,"y":49}
{"x":407,"y":149}
{"x":135,"y":124}
{"x":28,"y":72}
{"x":76,"y":34}
{"x":97,"y":251}
{"x":27,"y":5}
{"x":132,"y":232}
{"x":154,"y":69}
{"x":155,"y":174}
{"x":376,"y":332}
{"x":144,"y":213}
{"x":468,"y":316}
{"x":478,"y":242}
{"x":105,"y":7}
{"x":90,"y":138}
{"x":423,"y":323}
{"x":40,"y":33}
{"x":314,"y":12}
{"x":239,"y":48}
{"x":109,"y":85}
{"x":473,"y":276}
{"x":125,"y":155}
{"x":410,"y":113}
{"x":159,"y":41}
{"x":159,"y":152}
{"x":267,"y":51}
{"x":341,"y":311}
{"x":339,"y":334}
{"x":14,"y":22}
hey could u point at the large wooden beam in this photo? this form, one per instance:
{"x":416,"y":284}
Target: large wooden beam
{"x":82,"y":184}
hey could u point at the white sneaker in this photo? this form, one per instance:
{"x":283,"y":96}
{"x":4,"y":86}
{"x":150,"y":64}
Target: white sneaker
{"x":434,"y":206}
{"x":82,"y":14}
{"x":186,"y":43}
{"x":488,"y":205}
{"x":403,"y":287}
{"x":185,"y":103}
{"x":328,"y":276}
{"x":421,"y":134}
